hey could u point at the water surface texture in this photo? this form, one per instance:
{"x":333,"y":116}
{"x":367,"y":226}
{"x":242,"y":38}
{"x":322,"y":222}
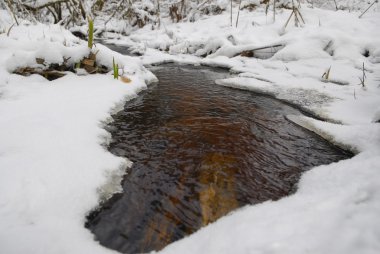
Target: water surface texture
{"x":199,"y":151}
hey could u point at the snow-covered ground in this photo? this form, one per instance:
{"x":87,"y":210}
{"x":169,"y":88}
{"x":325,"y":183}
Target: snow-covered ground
{"x":52,"y":164}
{"x":53,"y":167}
{"x":336,"y":207}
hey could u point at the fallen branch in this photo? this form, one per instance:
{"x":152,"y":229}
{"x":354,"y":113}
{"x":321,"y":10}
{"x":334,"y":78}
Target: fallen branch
{"x":251,"y":52}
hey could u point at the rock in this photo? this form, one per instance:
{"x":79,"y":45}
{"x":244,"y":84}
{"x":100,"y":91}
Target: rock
{"x":40,"y":60}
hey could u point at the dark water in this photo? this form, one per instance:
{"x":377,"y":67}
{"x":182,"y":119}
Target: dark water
{"x":200,"y":151}
{"x":118,"y":48}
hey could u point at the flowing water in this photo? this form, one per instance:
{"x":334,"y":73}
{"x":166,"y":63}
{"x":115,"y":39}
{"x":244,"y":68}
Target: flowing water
{"x":199,"y":151}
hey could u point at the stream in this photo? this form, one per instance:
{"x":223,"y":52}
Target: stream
{"x":199,"y":151}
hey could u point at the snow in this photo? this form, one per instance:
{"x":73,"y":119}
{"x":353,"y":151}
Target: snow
{"x":336,"y":39}
{"x":54,"y":167}
{"x":335,"y":207}
{"x":51,"y":161}
{"x":53,"y":164}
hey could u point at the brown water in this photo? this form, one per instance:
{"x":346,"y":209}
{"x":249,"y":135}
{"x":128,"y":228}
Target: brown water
{"x":200,"y":151}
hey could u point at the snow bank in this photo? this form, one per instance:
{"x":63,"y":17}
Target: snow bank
{"x":336,"y":39}
{"x":53,"y":167}
{"x":336,"y":207}
{"x":348,"y":5}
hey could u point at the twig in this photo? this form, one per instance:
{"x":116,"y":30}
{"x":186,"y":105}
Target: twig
{"x":55,"y":15}
{"x":9,"y":30}
{"x":113,"y":14}
{"x":297,"y":16}
{"x":231,"y":12}
{"x":23,"y":9}
{"x":362,"y":79}
{"x":274,"y":49}
{"x":289,"y":18}
{"x":336,"y":6}
{"x":296,"y":19}
{"x":368,"y":8}
{"x":201,"y":4}
{"x":11,"y":11}
{"x":237,"y":18}
{"x":158,"y":14}
{"x":82,"y":10}
{"x":79,"y":11}
{"x":182,"y":9}
{"x":71,"y":14}
{"x":299,"y":13}
{"x":28,"y":7}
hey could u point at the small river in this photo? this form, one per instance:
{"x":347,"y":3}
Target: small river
{"x":199,"y":151}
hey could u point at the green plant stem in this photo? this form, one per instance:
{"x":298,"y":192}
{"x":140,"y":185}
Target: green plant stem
{"x":115,"y":69}
{"x":90,"y":32}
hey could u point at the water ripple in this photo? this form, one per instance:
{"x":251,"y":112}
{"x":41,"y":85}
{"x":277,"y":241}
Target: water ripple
{"x":199,"y":151}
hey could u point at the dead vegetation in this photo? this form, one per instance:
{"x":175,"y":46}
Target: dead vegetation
{"x":326,"y":78}
{"x":49,"y":74}
{"x":177,"y":11}
{"x":262,"y":52}
{"x":135,"y":13}
{"x":49,"y":71}
{"x":65,"y":11}
{"x":54,"y":70}
{"x":248,"y":6}
{"x":296,"y":14}
{"x":363,"y":78}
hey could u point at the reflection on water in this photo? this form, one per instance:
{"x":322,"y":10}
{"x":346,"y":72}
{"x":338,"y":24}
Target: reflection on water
{"x":199,"y":151}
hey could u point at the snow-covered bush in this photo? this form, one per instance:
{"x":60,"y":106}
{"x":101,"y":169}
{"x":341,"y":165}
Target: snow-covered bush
{"x":214,"y":8}
{"x":66,"y":12}
{"x":140,"y":13}
{"x":249,"y":4}
{"x":350,"y":5}
{"x":123,"y":16}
